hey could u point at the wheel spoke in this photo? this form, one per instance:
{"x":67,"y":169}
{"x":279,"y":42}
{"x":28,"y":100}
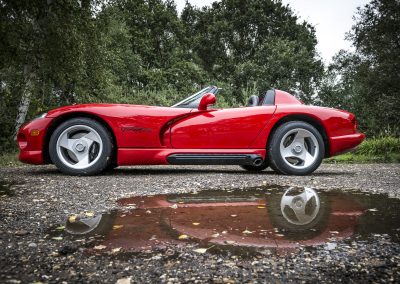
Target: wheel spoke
{"x":287,"y":152}
{"x":305,"y":196}
{"x":300,"y":213}
{"x":91,"y":222}
{"x":83,"y":159}
{"x":67,"y":143}
{"x":306,"y":158}
{"x":301,"y":133}
{"x":287,"y":201}
{"x":90,"y":138}
{"x":299,"y":140}
{"x":89,"y":142}
{"x":299,"y":137}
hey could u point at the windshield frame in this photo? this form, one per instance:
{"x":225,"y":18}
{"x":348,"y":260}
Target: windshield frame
{"x":190,"y":102}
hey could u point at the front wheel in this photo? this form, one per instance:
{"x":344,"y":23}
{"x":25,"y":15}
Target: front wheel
{"x":296,"y":148}
{"x":81,"y":146}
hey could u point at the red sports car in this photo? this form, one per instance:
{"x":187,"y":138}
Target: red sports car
{"x":275,"y":129}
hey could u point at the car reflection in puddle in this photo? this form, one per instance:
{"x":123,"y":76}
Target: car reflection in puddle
{"x":275,"y":218}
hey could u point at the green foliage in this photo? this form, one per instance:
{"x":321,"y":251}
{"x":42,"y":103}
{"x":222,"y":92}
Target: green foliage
{"x":165,"y":97}
{"x":8,"y":112}
{"x":367,"y":81}
{"x":379,"y":146}
{"x":283,"y":63}
{"x":9,"y":159}
{"x":254,"y":43}
{"x":350,"y":158}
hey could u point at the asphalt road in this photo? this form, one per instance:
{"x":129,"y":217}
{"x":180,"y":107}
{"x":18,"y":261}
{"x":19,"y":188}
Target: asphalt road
{"x":36,"y":199}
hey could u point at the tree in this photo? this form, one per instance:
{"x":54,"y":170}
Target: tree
{"x":43,"y":48}
{"x":367,"y":81}
{"x":54,"y":53}
{"x":255,"y":42}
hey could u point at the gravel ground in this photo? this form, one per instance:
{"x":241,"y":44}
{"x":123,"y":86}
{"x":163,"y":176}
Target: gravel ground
{"x":42,"y":198}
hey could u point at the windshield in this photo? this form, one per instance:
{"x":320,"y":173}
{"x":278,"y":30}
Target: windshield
{"x":194,"y":100}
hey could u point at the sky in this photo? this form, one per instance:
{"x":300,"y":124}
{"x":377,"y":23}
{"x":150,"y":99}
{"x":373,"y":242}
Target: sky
{"x":331,"y":18}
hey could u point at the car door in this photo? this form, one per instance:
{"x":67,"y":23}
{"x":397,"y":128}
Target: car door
{"x":234,"y":128}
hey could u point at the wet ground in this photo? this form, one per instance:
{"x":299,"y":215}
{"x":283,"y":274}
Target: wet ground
{"x":200,"y":224}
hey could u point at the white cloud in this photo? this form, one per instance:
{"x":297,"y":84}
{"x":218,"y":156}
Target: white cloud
{"x":332,"y":20}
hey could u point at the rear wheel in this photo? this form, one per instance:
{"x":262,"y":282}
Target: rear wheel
{"x":301,"y":213}
{"x":81,"y":146}
{"x":296,"y":148}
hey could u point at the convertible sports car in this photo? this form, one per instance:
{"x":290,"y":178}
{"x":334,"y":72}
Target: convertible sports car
{"x":275,"y":129}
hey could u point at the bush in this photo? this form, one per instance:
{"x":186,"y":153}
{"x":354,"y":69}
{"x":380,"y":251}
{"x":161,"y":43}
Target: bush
{"x":379,"y":146}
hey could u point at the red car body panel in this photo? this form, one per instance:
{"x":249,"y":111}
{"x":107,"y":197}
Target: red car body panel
{"x":234,"y":128}
{"x":149,"y":134}
{"x":31,"y":147}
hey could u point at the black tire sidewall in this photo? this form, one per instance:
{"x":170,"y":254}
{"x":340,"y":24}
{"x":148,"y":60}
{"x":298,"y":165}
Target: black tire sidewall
{"x":104,"y":159}
{"x":277,"y":161}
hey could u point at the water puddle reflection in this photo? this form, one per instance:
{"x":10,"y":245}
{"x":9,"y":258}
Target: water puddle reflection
{"x":279,"y":219}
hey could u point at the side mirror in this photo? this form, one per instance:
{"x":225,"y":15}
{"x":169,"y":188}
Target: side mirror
{"x":206,"y":100}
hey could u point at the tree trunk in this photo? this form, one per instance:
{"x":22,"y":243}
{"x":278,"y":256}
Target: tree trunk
{"x":25,"y":100}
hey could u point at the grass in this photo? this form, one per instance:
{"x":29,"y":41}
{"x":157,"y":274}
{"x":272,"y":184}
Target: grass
{"x":375,"y":150}
{"x":363,"y":159}
{"x":9,"y":160}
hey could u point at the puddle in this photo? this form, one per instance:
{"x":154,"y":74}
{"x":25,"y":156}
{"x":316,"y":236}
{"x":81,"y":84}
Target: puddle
{"x":5,"y":188}
{"x":277,"y":219}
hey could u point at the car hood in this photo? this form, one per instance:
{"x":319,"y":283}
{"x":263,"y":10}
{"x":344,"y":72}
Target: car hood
{"x":99,"y":108}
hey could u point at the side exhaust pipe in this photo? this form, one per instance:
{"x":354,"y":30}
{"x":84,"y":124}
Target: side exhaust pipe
{"x":257,"y":162}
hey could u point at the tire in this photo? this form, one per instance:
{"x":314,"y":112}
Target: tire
{"x":252,"y":168}
{"x":282,"y":217}
{"x":88,"y":226}
{"x":81,"y":146}
{"x":295,"y":148}
{"x":111,"y":166}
